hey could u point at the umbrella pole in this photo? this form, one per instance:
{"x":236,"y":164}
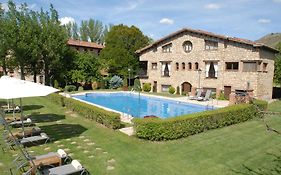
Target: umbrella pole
{"x":21,"y":117}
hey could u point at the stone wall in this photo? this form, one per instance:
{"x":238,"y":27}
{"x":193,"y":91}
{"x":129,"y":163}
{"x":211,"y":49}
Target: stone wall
{"x":260,"y":81}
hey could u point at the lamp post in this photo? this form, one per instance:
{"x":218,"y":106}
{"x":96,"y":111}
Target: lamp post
{"x":199,"y":75}
{"x":129,"y":70}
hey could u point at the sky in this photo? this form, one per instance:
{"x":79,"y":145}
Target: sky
{"x":249,"y":19}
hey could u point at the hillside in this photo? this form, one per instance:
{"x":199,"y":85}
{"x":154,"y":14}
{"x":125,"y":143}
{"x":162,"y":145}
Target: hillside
{"x":271,"y":39}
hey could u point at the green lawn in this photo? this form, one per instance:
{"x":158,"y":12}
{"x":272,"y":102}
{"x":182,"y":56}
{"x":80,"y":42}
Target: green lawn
{"x":101,"y":150}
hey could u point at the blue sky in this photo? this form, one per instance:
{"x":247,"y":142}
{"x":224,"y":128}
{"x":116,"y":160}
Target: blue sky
{"x":249,"y":19}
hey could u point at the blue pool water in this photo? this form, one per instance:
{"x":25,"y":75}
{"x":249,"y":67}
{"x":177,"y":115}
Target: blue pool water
{"x":140,"y":106}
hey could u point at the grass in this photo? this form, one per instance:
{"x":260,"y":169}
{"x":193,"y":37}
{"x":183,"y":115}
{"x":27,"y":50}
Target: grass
{"x":238,"y":148}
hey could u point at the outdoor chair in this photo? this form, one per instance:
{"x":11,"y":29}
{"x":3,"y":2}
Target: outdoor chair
{"x":12,"y":118}
{"x":198,"y":95}
{"x":70,"y":169}
{"x":206,"y":97}
{"x":11,"y":109}
{"x":43,"y":138}
{"x":16,"y":124}
{"x":34,"y":131}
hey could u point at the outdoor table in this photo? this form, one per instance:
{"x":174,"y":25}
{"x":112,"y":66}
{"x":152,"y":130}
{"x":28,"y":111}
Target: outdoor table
{"x":50,"y":160}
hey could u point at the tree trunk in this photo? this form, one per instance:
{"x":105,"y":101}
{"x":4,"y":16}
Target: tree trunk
{"x":22,"y":77}
{"x":47,"y":75}
{"x":4,"y":67}
{"x":34,"y":74}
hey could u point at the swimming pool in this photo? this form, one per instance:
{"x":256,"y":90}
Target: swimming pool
{"x":140,"y":105}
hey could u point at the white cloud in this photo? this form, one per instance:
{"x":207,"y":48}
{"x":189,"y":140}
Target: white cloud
{"x":4,"y":6}
{"x":264,"y":21}
{"x":166,"y":21}
{"x":66,"y":20}
{"x":277,"y":1}
{"x":212,"y":6}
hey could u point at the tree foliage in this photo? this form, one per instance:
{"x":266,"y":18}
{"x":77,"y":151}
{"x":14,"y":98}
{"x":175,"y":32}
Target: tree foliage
{"x":277,"y":73}
{"x":119,"y":54}
{"x":86,"y":68}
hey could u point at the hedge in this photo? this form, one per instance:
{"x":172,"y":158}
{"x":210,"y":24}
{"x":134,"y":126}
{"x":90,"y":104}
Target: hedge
{"x":107,"y":118}
{"x":183,"y":126}
{"x":262,"y":105}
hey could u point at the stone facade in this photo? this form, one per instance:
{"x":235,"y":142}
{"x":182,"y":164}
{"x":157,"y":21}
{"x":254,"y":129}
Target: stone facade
{"x":229,"y":64}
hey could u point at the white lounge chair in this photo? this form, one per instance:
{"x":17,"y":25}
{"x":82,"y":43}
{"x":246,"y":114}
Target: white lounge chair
{"x":206,"y":97}
{"x":27,"y":122}
{"x":73,"y":168}
{"x":198,"y":95}
{"x":43,"y":138}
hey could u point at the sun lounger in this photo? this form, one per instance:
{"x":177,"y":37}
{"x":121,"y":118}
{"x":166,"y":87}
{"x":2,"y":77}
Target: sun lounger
{"x":27,"y":132}
{"x":12,"y":118}
{"x":198,"y":95}
{"x":43,"y":138}
{"x":11,"y":109}
{"x":73,"y":168}
{"x":17,"y":124}
{"x":206,"y":97}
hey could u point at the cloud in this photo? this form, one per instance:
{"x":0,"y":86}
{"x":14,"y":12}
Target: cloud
{"x":264,"y":21}
{"x":66,"y":20}
{"x":166,"y":21}
{"x":277,"y":1}
{"x":129,"y":6}
{"x":212,"y":6}
{"x":4,"y":6}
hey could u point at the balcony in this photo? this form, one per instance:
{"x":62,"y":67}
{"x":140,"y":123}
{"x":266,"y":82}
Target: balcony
{"x":211,"y":74}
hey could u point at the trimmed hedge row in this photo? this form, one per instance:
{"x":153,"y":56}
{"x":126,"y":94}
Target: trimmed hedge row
{"x":262,"y":105}
{"x":168,"y":129}
{"x":107,"y":118}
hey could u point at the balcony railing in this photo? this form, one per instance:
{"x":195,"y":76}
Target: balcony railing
{"x":211,"y":74}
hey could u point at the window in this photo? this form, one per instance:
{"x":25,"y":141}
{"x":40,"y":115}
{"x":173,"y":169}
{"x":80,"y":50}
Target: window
{"x":187,"y":46}
{"x":183,"y":66}
{"x":167,"y":48}
{"x":165,"y":88}
{"x":196,"y":66}
{"x":211,"y":69}
{"x":211,"y":45}
{"x":154,"y":66}
{"x":250,"y":66}
{"x":189,"y":66}
{"x":231,"y":65}
{"x":166,"y":69}
{"x":264,"y":67}
{"x":177,"y":66}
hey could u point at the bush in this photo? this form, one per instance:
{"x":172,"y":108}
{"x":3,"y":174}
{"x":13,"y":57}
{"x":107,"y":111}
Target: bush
{"x":115,"y":82}
{"x":261,"y":104}
{"x":137,"y":85}
{"x":222,"y":97}
{"x":146,"y":87}
{"x":172,"y":90}
{"x":178,"y":127}
{"x":56,"y":84}
{"x":70,"y":88}
{"x":107,"y":118}
{"x":178,"y":90}
{"x":80,"y":88}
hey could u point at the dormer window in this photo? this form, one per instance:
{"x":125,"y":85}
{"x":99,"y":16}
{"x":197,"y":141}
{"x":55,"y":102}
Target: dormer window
{"x":187,"y":46}
{"x":167,"y":48}
{"x":211,"y":45}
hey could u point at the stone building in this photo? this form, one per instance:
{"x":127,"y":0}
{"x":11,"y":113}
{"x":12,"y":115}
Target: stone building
{"x":190,"y":59}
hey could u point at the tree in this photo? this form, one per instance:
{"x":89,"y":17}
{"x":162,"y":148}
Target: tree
{"x":84,"y":30}
{"x":119,"y":54}
{"x":86,"y":68}
{"x":277,"y":72}
{"x":72,"y":30}
{"x":3,"y":45}
{"x":95,"y":30}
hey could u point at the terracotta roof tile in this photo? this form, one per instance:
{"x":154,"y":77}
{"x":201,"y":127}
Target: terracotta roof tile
{"x":202,"y":32}
{"x":72,"y":42}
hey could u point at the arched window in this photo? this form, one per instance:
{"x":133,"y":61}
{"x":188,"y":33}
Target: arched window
{"x":187,"y":46}
{"x":189,"y":66}
{"x":196,"y":66}
{"x":183,"y":66}
{"x":177,"y":66}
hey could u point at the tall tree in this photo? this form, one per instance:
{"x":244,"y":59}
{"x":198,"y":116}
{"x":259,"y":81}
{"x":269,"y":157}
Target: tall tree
{"x":3,"y":48}
{"x":72,"y":30}
{"x":119,"y":54}
{"x":84,"y":30}
{"x":95,"y":30}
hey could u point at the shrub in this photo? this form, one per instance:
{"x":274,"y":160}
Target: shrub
{"x":222,"y":97}
{"x":56,"y":84}
{"x":178,"y":90}
{"x":178,"y":127}
{"x":125,"y":83}
{"x":107,"y":118}
{"x":137,"y":85}
{"x":172,"y":90}
{"x":261,"y":104}
{"x":146,"y":87}
{"x":70,"y":88}
{"x":115,"y":82}
{"x":80,"y":88}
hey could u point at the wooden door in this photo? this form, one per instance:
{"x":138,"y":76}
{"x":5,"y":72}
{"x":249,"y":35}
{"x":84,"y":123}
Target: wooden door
{"x":227,"y":91}
{"x":155,"y":86}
